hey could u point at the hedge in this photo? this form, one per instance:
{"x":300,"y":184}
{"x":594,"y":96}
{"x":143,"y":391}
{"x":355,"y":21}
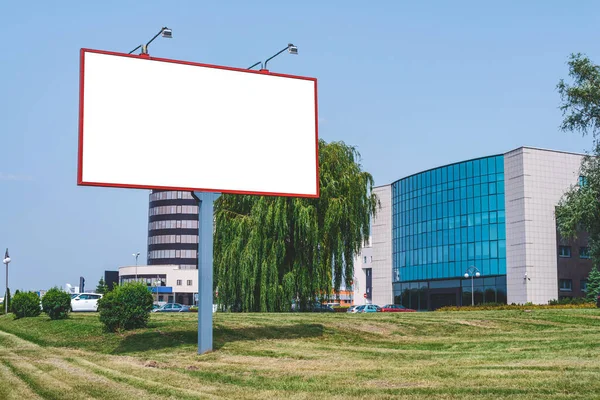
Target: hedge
{"x":485,"y":307}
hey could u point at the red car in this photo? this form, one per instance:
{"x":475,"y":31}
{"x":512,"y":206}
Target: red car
{"x":396,"y":308}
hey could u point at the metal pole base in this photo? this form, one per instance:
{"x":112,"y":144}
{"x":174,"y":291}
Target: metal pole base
{"x":205,"y":270}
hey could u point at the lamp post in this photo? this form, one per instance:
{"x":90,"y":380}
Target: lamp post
{"x":6,"y":261}
{"x":164,"y":31}
{"x":157,"y":283}
{"x":136,"y":255}
{"x":473,"y":272}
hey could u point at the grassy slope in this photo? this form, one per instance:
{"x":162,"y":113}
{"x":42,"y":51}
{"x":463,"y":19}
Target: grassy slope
{"x":541,"y":354}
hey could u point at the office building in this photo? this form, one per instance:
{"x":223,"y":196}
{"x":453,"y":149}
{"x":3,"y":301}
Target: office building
{"x":492,"y":215}
{"x":173,"y":229}
{"x":168,"y":283}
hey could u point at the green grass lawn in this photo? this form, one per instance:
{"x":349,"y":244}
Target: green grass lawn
{"x":543,"y":354}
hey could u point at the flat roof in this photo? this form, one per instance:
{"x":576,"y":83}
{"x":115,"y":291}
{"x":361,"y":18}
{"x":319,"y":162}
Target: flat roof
{"x":479,"y":158}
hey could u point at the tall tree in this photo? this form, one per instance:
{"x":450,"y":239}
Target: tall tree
{"x":102,"y":287}
{"x":579,"y":209}
{"x":593,"y":285}
{"x":272,"y":251}
{"x":581,"y":99}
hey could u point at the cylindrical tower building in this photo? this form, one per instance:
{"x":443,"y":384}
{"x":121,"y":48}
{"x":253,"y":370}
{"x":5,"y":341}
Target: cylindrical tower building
{"x":173,"y":229}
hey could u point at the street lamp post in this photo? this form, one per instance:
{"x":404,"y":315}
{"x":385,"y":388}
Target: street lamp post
{"x":136,"y":255}
{"x":473,"y":272}
{"x":157,"y":283}
{"x":6,"y":261}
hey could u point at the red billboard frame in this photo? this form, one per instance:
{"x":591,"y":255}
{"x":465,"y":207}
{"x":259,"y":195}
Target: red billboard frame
{"x":80,"y":181}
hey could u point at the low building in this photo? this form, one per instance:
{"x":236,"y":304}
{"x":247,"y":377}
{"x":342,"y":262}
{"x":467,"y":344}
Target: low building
{"x":169,"y":283}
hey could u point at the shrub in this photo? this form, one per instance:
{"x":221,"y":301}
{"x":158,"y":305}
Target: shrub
{"x":341,"y":309}
{"x":25,"y":304}
{"x":56,"y":303}
{"x":569,"y":300}
{"x":126,"y":307}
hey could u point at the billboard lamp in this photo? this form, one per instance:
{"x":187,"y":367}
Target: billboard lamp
{"x":164,"y":31}
{"x":290,"y":48}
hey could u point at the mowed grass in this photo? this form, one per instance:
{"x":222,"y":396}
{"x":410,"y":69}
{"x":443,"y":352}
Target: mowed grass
{"x":542,"y":354}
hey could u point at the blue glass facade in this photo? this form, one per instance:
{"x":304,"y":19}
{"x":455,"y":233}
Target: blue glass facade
{"x":446,"y":220}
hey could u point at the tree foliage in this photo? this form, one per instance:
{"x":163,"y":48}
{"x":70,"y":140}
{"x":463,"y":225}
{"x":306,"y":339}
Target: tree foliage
{"x":593,"y":285}
{"x":272,"y":251}
{"x":581,"y":99}
{"x":102,"y":287}
{"x":579,"y":209}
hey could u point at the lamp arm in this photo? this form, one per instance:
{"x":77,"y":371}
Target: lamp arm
{"x":135,"y":49}
{"x":272,"y":57}
{"x":255,"y":64}
{"x":155,"y":36}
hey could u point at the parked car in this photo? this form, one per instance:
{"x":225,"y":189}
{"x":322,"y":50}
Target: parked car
{"x":396,"y":308}
{"x":357,"y":309}
{"x":351,"y":309}
{"x":318,"y":307}
{"x":85,"y":302}
{"x":172,"y":307}
{"x":369,"y":308}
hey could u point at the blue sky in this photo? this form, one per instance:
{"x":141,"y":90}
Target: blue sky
{"x":413,"y":85}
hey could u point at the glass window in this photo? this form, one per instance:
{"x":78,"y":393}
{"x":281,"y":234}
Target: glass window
{"x":584,"y":252}
{"x":189,"y":282}
{"x":483,"y":164}
{"x":500,"y":164}
{"x":493,"y":249}
{"x":178,"y":282}
{"x":583,"y":285}
{"x":491,"y":166}
{"x":564,"y":251}
{"x":565,"y":285}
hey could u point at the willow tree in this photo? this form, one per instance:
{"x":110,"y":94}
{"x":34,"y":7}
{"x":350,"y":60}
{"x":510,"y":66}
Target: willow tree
{"x":272,"y":251}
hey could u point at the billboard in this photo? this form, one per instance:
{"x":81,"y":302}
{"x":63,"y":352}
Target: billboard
{"x":154,"y":123}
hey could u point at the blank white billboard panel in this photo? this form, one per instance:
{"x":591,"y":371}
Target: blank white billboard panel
{"x":164,"y":124}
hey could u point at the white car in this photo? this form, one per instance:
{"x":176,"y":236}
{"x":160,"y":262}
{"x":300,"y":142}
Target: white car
{"x":85,"y":302}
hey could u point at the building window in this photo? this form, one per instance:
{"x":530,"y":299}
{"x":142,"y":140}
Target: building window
{"x":189,"y":282}
{"x":564,"y":251}
{"x":364,"y":259}
{"x":584,"y":252}
{"x":582,"y":181}
{"x":583,"y":285}
{"x":565,"y":285}
{"x":371,"y":259}
{"x":178,"y":282}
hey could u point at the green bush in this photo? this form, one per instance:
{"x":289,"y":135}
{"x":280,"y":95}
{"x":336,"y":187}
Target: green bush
{"x":126,"y":307}
{"x":56,"y":303}
{"x":25,"y":304}
{"x":569,"y":300}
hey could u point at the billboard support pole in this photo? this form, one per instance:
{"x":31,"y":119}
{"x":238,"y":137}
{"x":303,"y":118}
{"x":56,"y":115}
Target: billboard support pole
{"x":205,"y":270}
